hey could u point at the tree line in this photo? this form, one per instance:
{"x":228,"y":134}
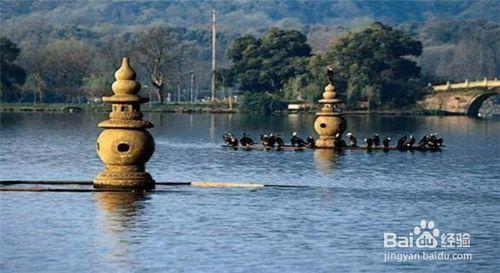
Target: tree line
{"x":372,"y":66}
{"x":375,"y":66}
{"x":74,"y":70}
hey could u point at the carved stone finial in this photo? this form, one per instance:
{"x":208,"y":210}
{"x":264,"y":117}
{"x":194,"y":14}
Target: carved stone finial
{"x":125,"y":83}
{"x":125,"y":72}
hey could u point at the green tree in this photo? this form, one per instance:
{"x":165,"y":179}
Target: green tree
{"x":261,"y":102}
{"x":12,"y":76}
{"x":266,"y":64}
{"x":66,"y":64}
{"x":34,"y":84}
{"x":374,"y":65}
{"x":97,"y":85}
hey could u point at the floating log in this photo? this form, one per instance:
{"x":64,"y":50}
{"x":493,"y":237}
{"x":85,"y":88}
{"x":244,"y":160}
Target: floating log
{"x":203,"y":184}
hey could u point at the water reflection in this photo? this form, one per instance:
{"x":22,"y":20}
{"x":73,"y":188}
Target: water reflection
{"x":212,"y":128}
{"x":119,"y":209}
{"x":119,"y":217}
{"x":326,"y":160}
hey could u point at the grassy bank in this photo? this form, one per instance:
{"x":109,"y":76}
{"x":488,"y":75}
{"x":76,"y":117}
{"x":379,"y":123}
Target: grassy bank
{"x":184,"y":108}
{"x":75,"y":107}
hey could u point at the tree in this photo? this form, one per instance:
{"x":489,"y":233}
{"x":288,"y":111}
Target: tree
{"x":267,"y":63}
{"x":158,"y":47}
{"x":34,"y":84}
{"x":67,"y":63}
{"x":261,"y":102}
{"x":459,"y":50}
{"x":12,"y":76}
{"x":97,"y":85}
{"x":373,"y":65}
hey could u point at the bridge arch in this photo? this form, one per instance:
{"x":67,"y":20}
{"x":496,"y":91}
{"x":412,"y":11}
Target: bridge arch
{"x":476,"y":102}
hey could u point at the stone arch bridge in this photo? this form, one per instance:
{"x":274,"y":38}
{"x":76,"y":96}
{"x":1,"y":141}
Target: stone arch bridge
{"x":463,"y":98}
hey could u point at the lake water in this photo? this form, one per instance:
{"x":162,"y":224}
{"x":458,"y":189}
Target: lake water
{"x":335,"y":223}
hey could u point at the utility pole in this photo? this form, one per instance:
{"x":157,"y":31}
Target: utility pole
{"x":213,"y":52}
{"x":191,"y":87}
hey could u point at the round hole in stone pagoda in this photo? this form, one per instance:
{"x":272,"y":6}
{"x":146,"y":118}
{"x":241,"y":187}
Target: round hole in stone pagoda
{"x":123,"y":147}
{"x":322,"y":125}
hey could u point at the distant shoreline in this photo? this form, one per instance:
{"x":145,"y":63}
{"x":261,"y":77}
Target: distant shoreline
{"x":217,"y":108}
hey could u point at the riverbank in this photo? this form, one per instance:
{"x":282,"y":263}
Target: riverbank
{"x":186,"y":108}
{"x":103,"y":108}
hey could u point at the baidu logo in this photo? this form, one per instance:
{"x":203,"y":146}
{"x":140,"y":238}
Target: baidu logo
{"x":426,"y":235}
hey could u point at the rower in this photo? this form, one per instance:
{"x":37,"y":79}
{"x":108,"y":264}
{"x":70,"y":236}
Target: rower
{"x":230,"y":140}
{"x":310,"y":142}
{"x":434,"y":142}
{"x":296,"y":140}
{"x":386,"y":142}
{"x":423,"y":141}
{"x":264,"y":140}
{"x":440,"y":141}
{"x":234,"y":140}
{"x":400,"y":143}
{"x":279,"y":141}
{"x":376,"y":140}
{"x":369,"y":143}
{"x":271,"y":140}
{"x":353,"y":141}
{"x":246,"y":140}
{"x":437,"y":140}
{"x":338,"y":142}
{"x":408,"y":144}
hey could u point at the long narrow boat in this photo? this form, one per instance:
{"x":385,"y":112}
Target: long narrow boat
{"x":260,"y":147}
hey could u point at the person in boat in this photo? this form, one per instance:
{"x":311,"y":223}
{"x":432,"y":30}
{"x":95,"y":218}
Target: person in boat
{"x":353,"y":141}
{"x":338,"y":142}
{"x":310,"y":142}
{"x":246,"y":140}
{"x":401,"y":142}
{"x":408,"y":144}
{"x":264,"y":140}
{"x":386,"y":143}
{"x":296,"y":140}
{"x":438,"y":141}
{"x":271,"y":140}
{"x":434,"y":143}
{"x":230,"y":140}
{"x":279,"y":141}
{"x":369,"y":143}
{"x":422,"y":143}
{"x":376,"y":140}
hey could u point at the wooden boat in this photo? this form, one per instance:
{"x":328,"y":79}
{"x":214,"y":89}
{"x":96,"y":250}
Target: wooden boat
{"x":260,"y":147}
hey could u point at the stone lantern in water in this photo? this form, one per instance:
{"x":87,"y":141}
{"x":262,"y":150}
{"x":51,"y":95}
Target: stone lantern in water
{"x":329,"y":120}
{"x":125,"y":145}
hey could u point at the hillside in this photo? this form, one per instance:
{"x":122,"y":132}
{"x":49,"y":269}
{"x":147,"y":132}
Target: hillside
{"x":461,"y":39}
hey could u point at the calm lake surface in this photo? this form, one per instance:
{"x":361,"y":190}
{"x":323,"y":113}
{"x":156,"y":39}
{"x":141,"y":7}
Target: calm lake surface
{"x":335,"y":223}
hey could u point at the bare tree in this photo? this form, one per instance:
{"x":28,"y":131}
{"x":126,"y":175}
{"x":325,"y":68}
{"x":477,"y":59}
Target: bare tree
{"x":158,"y":47}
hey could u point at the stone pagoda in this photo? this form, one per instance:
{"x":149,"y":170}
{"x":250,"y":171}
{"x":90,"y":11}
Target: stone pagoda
{"x":125,"y":145}
{"x":329,"y":120}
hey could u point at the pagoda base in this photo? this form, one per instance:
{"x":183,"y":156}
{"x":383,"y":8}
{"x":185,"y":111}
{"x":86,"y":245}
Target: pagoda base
{"x":324,"y":142}
{"x":124,"y":180}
